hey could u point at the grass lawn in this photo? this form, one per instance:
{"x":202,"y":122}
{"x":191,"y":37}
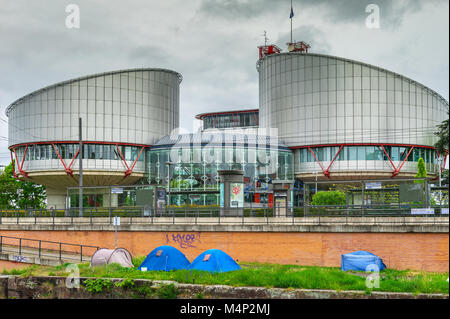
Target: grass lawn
{"x":264,"y":275}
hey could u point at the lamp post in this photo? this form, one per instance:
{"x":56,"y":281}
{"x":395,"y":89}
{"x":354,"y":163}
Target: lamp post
{"x":168,"y":179}
{"x":440,"y":185}
{"x":316,"y":181}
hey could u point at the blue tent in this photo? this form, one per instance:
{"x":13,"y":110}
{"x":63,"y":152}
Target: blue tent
{"x":214,"y":260}
{"x":359,"y":260}
{"x":165,"y":258}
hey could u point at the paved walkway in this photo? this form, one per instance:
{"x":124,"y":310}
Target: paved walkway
{"x":46,"y":256}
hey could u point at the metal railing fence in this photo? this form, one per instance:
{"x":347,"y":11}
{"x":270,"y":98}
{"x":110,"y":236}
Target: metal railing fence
{"x":212,"y":215}
{"x":46,"y":248}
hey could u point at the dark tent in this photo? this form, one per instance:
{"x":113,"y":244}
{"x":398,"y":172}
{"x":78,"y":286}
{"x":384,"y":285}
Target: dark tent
{"x":165,"y":258}
{"x":359,"y":260}
{"x":214,"y":260}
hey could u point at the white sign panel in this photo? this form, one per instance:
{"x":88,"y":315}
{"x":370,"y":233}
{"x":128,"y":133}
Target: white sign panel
{"x":374,"y":185}
{"x":444,"y":211}
{"x":116,"y":221}
{"x":422,"y":211}
{"x":117,"y":190}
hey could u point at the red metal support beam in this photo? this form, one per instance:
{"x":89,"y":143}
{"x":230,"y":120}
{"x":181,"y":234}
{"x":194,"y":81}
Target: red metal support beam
{"x":327,"y":172}
{"x":389,"y":158}
{"x":68,"y":170}
{"x":13,"y":166}
{"x":123,"y":158}
{"x":73,"y":159}
{"x":130,"y":170}
{"x":398,"y":169}
{"x":442,"y":168}
{"x":318,"y":162}
{"x":19,"y":166}
{"x":445,"y":162}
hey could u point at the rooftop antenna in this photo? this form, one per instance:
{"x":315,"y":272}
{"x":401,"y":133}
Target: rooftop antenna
{"x":265,"y":38}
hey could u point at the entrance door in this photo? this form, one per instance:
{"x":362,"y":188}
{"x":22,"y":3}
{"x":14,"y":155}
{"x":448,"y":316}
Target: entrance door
{"x":280,"y":206}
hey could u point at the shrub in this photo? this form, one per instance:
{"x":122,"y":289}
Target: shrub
{"x":329,"y":198}
{"x":97,"y":285}
{"x":167,"y":292}
{"x":421,"y":170}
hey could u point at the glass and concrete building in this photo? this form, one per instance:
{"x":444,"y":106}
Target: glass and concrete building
{"x":123,"y":113}
{"x":229,"y":119}
{"x":319,"y":117}
{"x":345,"y":119}
{"x":193,"y":160}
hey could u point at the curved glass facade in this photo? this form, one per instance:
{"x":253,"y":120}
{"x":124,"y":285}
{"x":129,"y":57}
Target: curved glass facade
{"x":90,"y":151}
{"x":316,"y":99}
{"x":131,"y":106}
{"x":197,"y":160}
{"x":364,"y":157}
{"x":135,"y":106}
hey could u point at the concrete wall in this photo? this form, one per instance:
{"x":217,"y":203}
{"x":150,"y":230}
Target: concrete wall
{"x":14,"y":287}
{"x":415,"y":251}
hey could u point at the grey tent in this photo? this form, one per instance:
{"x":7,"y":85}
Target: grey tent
{"x":105,"y":256}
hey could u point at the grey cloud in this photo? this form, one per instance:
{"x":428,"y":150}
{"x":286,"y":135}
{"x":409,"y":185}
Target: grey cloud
{"x":391,"y":11}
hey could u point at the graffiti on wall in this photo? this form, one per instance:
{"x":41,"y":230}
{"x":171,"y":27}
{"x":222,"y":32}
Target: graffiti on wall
{"x":183,"y":240}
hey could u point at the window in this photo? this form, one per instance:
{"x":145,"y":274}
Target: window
{"x":91,"y":151}
{"x":395,"y":154}
{"x":352,"y":154}
{"x":361,"y":153}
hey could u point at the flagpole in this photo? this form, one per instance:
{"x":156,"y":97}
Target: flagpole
{"x":291,"y":22}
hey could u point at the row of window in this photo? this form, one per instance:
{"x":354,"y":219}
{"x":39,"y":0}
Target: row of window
{"x":155,"y":157}
{"x":90,"y":151}
{"x":362,"y":153}
{"x":231,"y":120}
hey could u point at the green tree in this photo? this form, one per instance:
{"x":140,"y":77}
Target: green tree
{"x":421,"y":170}
{"x":329,"y":198}
{"x":8,"y":188}
{"x":442,"y":134}
{"x":19,"y":194}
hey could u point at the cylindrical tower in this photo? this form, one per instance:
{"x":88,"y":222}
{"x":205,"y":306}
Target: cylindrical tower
{"x":123,"y":113}
{"x":346,"y":119}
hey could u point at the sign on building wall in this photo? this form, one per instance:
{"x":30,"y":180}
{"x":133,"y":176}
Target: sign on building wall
{"x":237,"y":195}
{"x":116,"y":190}
{"x":422,"y":211}
{"x":222,"y":195}
{"x":374,"y":185}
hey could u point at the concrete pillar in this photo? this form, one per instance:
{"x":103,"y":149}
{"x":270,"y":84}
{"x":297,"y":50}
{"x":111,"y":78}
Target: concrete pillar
{"x":282,"y":201}
{"x":114,"y":200}
{"x":56,"y":198}
{"x":232,"y":192}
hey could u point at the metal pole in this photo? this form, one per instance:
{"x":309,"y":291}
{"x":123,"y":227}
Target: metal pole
{"x":80,"y":161}
{"x":440,"y":185}
{"x":115,"y":230}
{"x":291,"y":22}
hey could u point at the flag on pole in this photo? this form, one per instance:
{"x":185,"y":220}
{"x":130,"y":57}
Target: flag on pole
{"x":292,"y":13}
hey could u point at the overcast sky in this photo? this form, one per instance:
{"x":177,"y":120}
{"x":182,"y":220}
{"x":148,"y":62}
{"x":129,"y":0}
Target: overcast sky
{"x":212,"y":43}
